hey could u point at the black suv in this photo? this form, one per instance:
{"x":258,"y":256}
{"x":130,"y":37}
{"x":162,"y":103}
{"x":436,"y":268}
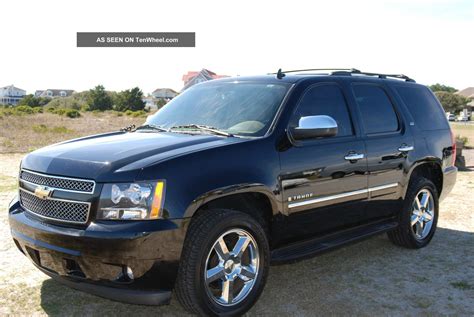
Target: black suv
{"x":233,"y":175}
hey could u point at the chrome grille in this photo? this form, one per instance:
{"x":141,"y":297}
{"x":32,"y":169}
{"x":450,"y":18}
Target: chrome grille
{"x":55,"y":209}
{"x":64,"y":183}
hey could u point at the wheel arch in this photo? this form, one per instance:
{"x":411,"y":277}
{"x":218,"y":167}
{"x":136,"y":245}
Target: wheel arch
{"x":249,"y":198}
{"x":429,"y":168}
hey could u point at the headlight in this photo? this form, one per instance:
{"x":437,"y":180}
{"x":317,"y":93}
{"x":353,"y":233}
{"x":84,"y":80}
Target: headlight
{"x":131,"y":201}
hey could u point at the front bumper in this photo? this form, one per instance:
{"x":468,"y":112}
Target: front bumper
{"x":99,"y":258}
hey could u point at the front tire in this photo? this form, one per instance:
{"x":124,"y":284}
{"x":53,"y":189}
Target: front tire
{"x":419,"y":217}
{"x":224,"y":264}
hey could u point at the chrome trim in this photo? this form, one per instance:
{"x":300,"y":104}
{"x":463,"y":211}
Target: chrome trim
{"x":60,"y":177}
{"x":57,"y":199}
{"x":342,"y":195}
{"x":354,"y":157}
{"x":382,"y":187}
{"x":406,"y":148}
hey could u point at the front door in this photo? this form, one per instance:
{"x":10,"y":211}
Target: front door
{"x":324,"y":181}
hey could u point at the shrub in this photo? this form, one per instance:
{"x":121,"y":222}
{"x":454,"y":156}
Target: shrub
{"x":24,"y":110}
{"x":463,"y":139}
{"x":135,"y":114}
{"x":72,"y":113}
{"x":60,"y":111}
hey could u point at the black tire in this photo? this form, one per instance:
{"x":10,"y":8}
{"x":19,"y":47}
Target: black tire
{"x":404,"y":235}
{"x":191,"y":289}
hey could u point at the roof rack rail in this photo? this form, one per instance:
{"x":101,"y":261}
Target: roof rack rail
{"x":343,"y":71}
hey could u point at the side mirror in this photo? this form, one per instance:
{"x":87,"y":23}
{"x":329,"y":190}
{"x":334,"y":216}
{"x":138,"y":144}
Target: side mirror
{"x":315,"y":127}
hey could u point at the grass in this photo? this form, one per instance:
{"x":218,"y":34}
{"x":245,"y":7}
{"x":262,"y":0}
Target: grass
{"x":462,"y":285}
{"x":464,"y":130}
{"x":28,"y":132}
{"x":7,"y":183}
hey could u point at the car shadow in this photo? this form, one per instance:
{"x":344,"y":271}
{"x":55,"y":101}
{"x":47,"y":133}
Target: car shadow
{"x":366,"y":278}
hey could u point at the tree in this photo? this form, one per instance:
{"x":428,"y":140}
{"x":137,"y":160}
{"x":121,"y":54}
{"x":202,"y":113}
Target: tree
{"x":99,"y":99}
{"x":439,"y":87}
{"x":130,"y":99}
{"x":451,"y":102}
{"x":32,"y":101}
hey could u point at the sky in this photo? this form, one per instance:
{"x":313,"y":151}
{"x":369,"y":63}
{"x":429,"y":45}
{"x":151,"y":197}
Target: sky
{"x":430,"y":41}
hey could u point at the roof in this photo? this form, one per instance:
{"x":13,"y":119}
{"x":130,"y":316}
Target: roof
{"x":192,"y":77}
{"x":11,"y":87}
{"x":310,"y":79}
{"x":164,"y":93}
{"x":467,"y":92}
{"x":55,"y":92}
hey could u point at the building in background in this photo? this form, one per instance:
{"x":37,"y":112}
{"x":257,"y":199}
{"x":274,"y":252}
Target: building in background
{"x":468,"y":93}
{"x":11,"y":95}
{"x":52,"y":93}
{"x":164,"y":93}
{"x":158,"y":98}
{"x":192,"y":77}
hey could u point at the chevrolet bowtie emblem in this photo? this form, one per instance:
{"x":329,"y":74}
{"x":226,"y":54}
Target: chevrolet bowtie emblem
{"x":43,"y":192}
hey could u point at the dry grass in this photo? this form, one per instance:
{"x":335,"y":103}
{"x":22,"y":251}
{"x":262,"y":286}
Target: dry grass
{"x":371,"y":278}
{"x":29,"y":132}
{"x":465,"y":130}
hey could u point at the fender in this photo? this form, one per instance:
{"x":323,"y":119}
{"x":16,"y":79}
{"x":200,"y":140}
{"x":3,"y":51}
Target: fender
{"x":233,"y":190}
{"x":425,"y":160}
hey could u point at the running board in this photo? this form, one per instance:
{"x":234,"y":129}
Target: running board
{"x":312,"y":247}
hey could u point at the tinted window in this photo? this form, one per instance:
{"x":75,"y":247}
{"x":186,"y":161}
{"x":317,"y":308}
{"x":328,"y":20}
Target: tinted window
{"x":325,"y":100}
{"x":424,"y":108}
{"x":241,"y":108}
{"x":376,"y":108}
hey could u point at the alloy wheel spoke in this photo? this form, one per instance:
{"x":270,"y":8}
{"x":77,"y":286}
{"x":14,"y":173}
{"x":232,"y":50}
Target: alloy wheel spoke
{"x":240,"y":246}
{"x":414,"y":219}
{"x":426,"y":229}
{"x":214,"y":274}
{"x":419,"y":228}
{"x":228,"y":291}
{"x":247,"y":273}
{"x":417,"y":204}
{"x":425,"y":198}
{"x":428,"y":216}
{"x":221,"y":249}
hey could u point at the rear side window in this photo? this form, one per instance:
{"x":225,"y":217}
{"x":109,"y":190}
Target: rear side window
{"x":326,"y":99}
{"x":378,"y":115}
{"x":426,"y":112}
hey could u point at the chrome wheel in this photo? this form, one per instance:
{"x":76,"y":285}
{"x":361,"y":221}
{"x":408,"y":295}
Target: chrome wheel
{"x":423,"y":214}
{"x":232,"y":267}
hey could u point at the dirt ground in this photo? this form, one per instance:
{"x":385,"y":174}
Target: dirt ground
{"x":370,"y":278}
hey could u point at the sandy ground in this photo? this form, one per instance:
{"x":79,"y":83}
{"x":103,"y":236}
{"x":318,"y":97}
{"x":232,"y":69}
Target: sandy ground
{"x":370,"y":278}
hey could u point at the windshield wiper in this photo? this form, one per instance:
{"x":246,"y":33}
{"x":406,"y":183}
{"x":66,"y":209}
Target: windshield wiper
{"x":151,"y":127}
{"x":203,"y":128}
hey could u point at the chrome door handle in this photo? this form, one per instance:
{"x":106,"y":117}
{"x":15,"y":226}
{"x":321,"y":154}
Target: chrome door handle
{"x":406,"y":148}
{"x":353,"y":157}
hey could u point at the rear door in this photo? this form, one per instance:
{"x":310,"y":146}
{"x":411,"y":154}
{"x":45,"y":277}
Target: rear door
{"x":388,"y":142}
{"x":323,"y":190}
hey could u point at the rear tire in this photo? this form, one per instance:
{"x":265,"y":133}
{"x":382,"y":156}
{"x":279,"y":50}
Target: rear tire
{"x":214,"y":278}
{"x":419,"y":216}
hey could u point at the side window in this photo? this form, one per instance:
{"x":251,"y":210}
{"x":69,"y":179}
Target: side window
{"x":325,"y":100}
{"x":377,"y":111}
{"x":426,"y":111}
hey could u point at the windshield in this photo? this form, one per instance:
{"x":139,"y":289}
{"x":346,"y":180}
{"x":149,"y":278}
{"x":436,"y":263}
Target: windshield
{"x":239,"y":108}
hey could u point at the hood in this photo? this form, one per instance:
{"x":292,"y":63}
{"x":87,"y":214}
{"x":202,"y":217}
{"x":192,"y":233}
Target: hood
{"x":116,"y":156}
